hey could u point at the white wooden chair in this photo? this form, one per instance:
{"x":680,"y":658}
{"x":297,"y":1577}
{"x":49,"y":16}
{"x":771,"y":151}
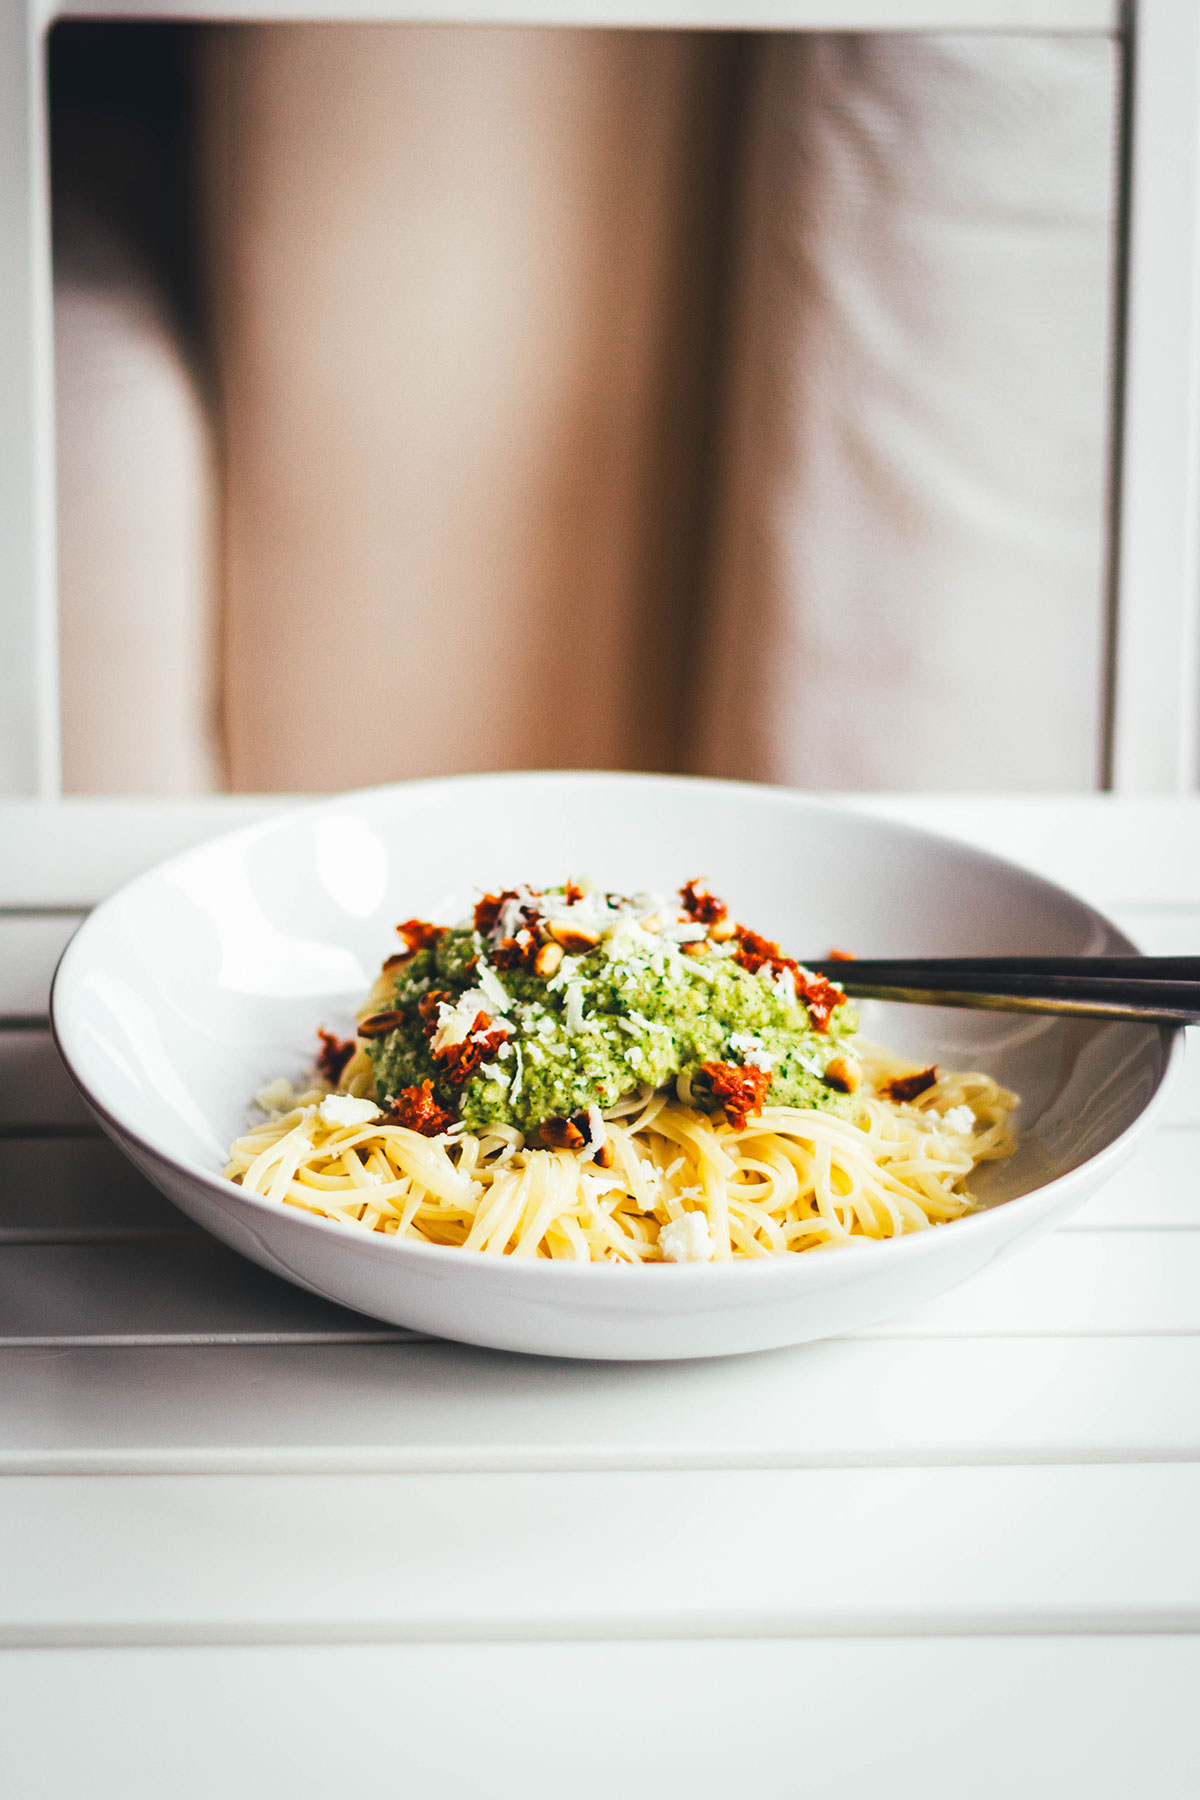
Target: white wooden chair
{"x":236,"y":1482}
{"x":1155,"y":662}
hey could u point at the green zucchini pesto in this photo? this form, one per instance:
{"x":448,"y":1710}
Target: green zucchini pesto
{"x":554,"y":1001}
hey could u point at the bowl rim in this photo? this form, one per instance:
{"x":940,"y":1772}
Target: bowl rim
{"x":1040,"y":1199}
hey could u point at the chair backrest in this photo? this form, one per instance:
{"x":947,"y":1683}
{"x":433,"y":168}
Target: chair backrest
{"x":1153,"y":697}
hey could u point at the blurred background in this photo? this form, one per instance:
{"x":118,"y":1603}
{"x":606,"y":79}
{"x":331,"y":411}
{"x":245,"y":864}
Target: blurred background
{"x":434,"y":399}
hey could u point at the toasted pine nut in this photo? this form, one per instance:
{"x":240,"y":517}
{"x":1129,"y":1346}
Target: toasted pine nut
{"x":722,"y":930}
{"x":573,"y":940}
{"x":547,"y":959}
{"x":605,"y":1156}
{"x":844,"y":1074}
{"x":698,"y":947}
{"x":379,"y":1024}
{"x":560,"y":1134}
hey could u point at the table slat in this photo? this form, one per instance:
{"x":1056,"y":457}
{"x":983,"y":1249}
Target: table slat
{"x":160,"y":1290}
{"x":76,"y":1188}
{"x":75,"y":852}
{"x":35,"y":1089}
{"x":427,"y":1407}
{"x":709,"y":1553}
{"x":165,"y":1289}
{"x":1071,"y":1282}
{"x":30,"y":946}
{"x":830,"y":1717}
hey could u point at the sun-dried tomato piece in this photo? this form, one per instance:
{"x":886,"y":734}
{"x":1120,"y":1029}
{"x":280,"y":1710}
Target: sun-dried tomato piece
{"x":741,"y":1091}
{"x":518,"y":952}
{"x":333,"y":1055}
{"x":572,"y":892}
{"x":419,"y":934}
{"x":840,"y":956}
{"x":458,"y":1062}
{"x":417,"y":1109}
{"x":755,"y":952}
{"x":820,"y":996}
{"x":700,"y":905}
{"x":907,"y":1087}
{"x":487,"y":910}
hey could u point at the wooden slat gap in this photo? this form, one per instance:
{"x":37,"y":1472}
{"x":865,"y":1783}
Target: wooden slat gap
{"x":1080,"y":1227}
{"x":883,"y":1332}
{"x":386,"y":1334}
{"x":563,"y":1459}
{"x":102,"y":1234}
{"x":18,"y":1132}
{"x":34,"y":909}
{"x":1136,"y":1622}
{"x":396,"y":1334}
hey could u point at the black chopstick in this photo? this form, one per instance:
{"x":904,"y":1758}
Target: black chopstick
{"x":1155,"y":989}
{"x":1136,"y":968}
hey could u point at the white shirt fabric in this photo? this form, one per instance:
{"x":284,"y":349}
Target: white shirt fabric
{"x":910,"y":569}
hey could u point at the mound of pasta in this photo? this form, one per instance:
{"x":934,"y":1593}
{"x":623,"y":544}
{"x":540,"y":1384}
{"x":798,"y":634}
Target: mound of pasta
{"x":596,"y":1077}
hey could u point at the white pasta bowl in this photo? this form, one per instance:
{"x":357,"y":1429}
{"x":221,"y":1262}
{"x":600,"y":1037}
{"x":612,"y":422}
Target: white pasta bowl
{"x":203,"y":980}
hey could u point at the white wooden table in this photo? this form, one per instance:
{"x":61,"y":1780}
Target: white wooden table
{"x":255,"y":1545}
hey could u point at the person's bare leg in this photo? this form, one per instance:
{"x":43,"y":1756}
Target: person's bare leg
{"x":449,"y":306}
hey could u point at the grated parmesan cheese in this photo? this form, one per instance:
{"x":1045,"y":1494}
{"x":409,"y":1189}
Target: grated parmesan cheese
{"x":489,"y":983}
{"x":455,"y":1022}
{"x":784,"y":983}
{"x":687,"y":1239}
{"x":640,"y":1022}
{"x":337,"y":1110}
{"x":574,"y":1010}
{"x":597,"y":1129}
{"x":566,"y":971}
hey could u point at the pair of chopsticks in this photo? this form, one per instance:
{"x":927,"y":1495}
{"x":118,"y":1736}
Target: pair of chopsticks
{"x":1156,"y":990}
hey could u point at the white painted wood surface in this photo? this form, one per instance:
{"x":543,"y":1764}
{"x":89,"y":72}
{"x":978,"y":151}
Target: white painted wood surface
{"x":747,"y":1552}
{"x":987,"y":1718}
{"x":29,"y":731}
{"x":231,"y":1502}
{"x":1156,"y":669}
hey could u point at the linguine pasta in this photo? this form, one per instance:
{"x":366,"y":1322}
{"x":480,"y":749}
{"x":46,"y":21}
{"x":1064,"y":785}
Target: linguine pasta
{"x":684,"y":1183}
